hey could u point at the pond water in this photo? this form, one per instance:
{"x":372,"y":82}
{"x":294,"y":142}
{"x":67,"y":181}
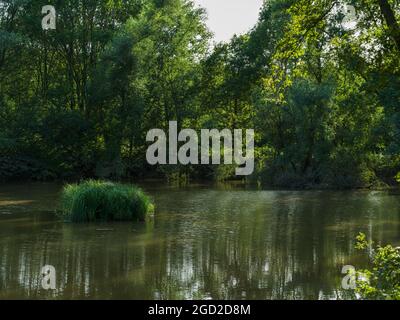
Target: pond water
{"x":203,"y":242}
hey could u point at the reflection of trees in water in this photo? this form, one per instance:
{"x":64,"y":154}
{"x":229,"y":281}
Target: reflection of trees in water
{"x":277,"y":245}
{"x":226,"y":245}
{"x":23,"y":248}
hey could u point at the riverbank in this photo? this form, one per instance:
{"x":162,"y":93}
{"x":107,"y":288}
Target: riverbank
{"x":250,"y":184}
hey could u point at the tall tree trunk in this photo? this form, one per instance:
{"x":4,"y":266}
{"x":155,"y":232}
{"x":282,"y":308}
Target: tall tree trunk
{"x":390,"y":19}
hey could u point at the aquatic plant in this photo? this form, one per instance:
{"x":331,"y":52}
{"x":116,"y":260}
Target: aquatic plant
{"x":94,"y":200}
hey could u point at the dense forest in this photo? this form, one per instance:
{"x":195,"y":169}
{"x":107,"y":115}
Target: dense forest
{"x":319,"y":83}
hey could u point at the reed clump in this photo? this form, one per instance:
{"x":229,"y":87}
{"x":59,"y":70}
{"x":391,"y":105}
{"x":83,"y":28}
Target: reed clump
{"x":93,"y":200}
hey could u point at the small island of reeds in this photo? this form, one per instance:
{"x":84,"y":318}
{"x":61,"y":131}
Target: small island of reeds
{"x":96,"y":201}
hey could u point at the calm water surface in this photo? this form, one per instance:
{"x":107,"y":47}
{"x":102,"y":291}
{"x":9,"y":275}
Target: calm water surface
{"x":202,"y":243}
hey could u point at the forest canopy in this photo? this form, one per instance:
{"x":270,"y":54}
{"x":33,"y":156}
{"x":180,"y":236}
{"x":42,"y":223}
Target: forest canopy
{"x":317,"y":82}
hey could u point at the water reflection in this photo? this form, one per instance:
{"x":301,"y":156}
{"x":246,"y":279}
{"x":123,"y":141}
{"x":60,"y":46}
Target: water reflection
{"x":202,"y":243}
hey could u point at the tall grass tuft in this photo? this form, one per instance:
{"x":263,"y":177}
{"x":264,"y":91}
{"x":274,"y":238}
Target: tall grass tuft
{"x":94,"y":200}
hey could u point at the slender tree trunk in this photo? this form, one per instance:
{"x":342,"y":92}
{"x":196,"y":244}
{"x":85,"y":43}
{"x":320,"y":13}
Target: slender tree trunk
{"x":391,"y":21}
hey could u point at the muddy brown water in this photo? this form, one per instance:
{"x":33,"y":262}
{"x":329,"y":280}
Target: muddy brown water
{"x":203,"y":242}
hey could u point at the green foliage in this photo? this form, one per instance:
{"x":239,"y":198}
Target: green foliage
{"x":93,"y":200}
{"x":327,"y":104}
{"x":362,"y":242}
{"x":323,"y":98}
{"x":382,"y":281}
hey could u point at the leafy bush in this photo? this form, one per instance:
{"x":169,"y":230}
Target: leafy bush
{"x":104,"y":201}
{"x":382,"y":282}
{"x":16,"y":164}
